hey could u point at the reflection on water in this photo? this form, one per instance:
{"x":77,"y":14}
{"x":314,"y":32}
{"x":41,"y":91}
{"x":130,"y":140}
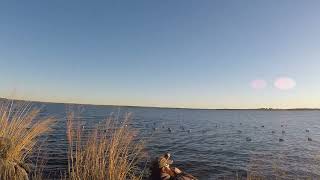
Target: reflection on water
{"x":210,"y":144}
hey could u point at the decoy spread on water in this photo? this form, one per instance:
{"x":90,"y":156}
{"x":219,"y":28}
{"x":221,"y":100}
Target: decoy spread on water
{"x":239,"y":131}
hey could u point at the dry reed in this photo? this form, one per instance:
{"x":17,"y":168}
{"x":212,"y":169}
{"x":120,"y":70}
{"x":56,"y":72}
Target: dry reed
{"x":108,"y":151}
{"x":19,"y":132}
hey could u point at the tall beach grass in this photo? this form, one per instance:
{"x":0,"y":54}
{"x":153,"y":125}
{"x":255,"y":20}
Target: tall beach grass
{"x":19,"y":133}
{"x":110,"y":150}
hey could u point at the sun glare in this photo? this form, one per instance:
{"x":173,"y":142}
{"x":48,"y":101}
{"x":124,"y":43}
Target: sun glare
{"x":284,"y":83}
{"x":258,"y":84}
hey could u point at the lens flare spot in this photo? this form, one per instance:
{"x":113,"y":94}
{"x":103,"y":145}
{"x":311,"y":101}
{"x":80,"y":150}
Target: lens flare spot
{"x":284,"y":83}
{"x":258,"y":84}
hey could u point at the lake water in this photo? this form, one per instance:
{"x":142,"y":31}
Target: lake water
{"x":210,"y":144}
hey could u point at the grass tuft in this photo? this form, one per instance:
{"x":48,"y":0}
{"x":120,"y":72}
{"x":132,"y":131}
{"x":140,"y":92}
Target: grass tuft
{"x":110,"y":151}
{"x":19,"y":132}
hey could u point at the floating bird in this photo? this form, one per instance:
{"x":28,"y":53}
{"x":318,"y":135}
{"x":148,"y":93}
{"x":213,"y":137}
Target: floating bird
{"x":281,"y":140}
{"x":239,"y":131}
{"x":83,"y":127}
{"x":189,"y":130}
{"x":309,"y":139}
{"x":162,"y":126}
{"x":248,"y":139}
{"x":262,"y":126}
{"x":154,"y":128}
{"x":283,"y":132}
{"x":307,"y":130}
{"x":240,"y":123}
{"x":281,"y":125}
{"x":272,"y":132}
{"x":169,"y":129}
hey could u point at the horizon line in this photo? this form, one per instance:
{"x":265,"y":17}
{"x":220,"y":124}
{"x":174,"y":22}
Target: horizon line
{"x":160,"y":107}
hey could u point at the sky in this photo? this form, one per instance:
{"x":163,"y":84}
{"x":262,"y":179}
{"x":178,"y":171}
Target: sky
{"x":181,"y":53}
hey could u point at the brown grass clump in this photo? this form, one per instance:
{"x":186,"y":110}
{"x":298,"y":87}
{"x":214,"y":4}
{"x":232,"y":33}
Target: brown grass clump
{"x":18,"y":137}
{"x":110,"y":151}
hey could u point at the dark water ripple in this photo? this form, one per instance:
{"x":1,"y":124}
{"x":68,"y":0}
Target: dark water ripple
{"x":211,"y":144}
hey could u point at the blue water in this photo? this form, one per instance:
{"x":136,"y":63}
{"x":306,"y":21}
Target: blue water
{"x":210,"y":144}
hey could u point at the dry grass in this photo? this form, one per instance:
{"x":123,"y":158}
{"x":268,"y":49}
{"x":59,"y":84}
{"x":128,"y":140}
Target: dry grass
{"x":38,"y":167}
{"x":110,"y":151}
{"x":19,"y":132}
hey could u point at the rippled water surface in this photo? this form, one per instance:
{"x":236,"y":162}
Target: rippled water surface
{"x":210,"y":144}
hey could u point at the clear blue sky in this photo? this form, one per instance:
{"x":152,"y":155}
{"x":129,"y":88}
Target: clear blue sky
{"x":181,"y":53}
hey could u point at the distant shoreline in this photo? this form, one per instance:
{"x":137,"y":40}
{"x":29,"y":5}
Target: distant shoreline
{"x":159,"y":107}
